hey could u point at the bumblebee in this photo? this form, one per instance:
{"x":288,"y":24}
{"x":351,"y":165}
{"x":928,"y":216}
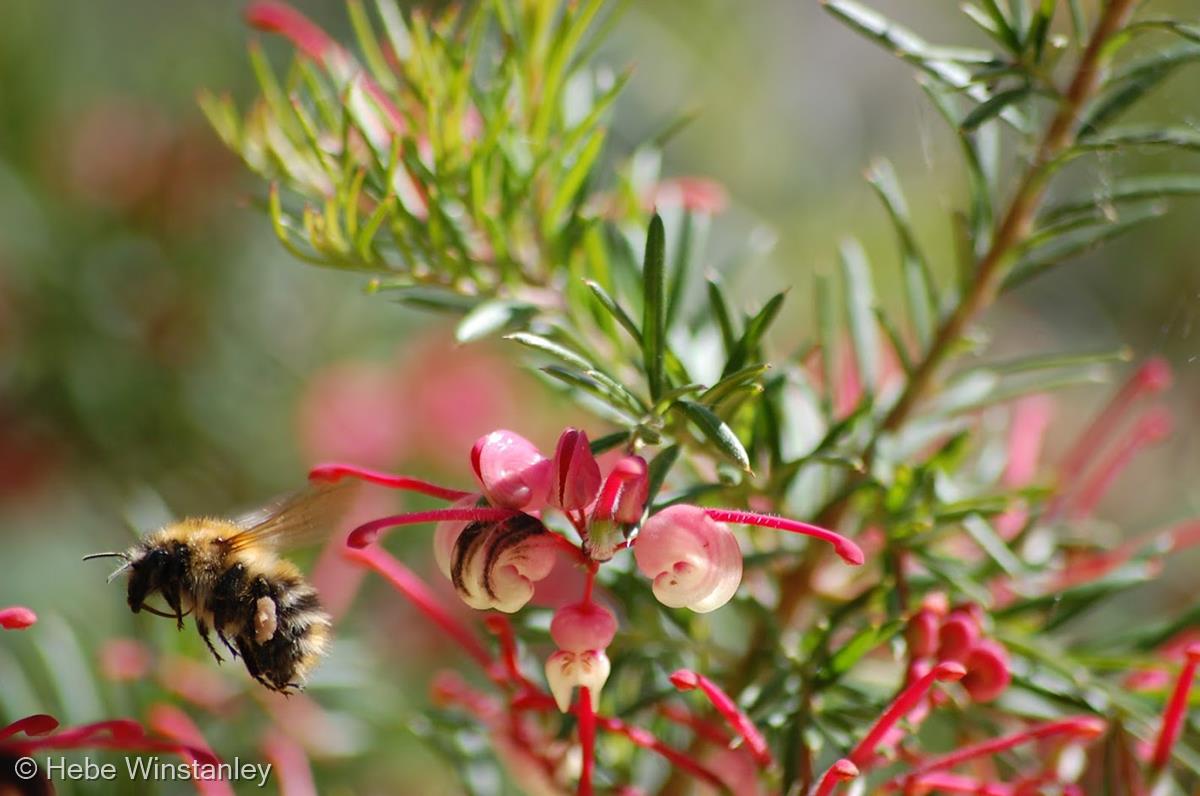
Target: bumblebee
{"x":229,"y":575}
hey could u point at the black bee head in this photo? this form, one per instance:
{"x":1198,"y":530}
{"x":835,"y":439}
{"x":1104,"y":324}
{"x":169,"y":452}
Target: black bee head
{"x":146,"y":574}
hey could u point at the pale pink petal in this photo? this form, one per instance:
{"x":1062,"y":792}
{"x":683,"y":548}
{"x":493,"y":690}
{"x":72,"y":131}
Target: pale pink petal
{"x":511,"y":470}
{"x":567,"y":670}
{"x":694,"y":560}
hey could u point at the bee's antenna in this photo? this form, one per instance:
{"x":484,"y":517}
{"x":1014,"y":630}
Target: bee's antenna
{"x":120,"y":569}
{"x":106,"y":555}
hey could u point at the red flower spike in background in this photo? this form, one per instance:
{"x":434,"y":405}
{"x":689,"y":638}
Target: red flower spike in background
{"x":958,"y":634}
{"x":290,"y":765}
{"x":407,"y":583}
{"x":173,"y":723}
{"x":16,"y":617}
{"x":686,"y":680}
{"x":863,"y":755}
{"x":1153,"y":427}
{"x":843,"y":770}
{"x":1078,"y":728}
{"x":282,"y":18}
{"x":988,"y":672}
{"x":1152,"y":377}
{"x":1173,"y":714}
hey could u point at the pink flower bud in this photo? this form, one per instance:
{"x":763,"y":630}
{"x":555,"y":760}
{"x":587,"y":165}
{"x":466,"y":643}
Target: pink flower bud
{"x":18,"y":617}
{"x":565,"y":670}
{"x":922,"y":634}
{"x":495,"y":563}
{"x":511,"y":470}
{"x":575,"y":475}
{"x":694,"y":560}
{"x":958,"y":634}
{"x":1154,"y":375}
{"x":988,"y":671}
{"x":620,"y":506}
{"x":583,"y":626}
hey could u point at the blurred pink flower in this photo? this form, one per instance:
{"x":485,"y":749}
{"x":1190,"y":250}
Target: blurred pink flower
{"x":290,"y":766}
{"x":125,"y":659}
{"x":355,"y":411}
{"x":988,"y":671}
{"x":17,"y":617}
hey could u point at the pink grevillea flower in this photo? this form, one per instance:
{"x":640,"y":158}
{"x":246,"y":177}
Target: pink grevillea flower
{"x":511,"y":470}
{"x":1086,"y":459}
{"x":694,"y":558}
{"x":958,"y":633}
{"x":495,"y":564}
{"x":1176,"y":708}
{"x":694,"y":561}
{"x":686,"y":680}
{"x":988,"y":672}
{"x":582,"y":632}
{"x":575,"y":474}
{"x":843,"y":770}
{"x":16,"y":617}
{"x":922,"y":630}
{"x":620,"y":506}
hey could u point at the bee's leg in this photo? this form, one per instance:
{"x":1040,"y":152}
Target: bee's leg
{"x":225,"y":640}
{"x":172,"y":598}
{"x":251,"y":661}
{"x":226,"y":596}
{"x":202,"y":629}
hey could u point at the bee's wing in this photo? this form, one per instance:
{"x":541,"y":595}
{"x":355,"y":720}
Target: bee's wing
{"x":295,"y":519}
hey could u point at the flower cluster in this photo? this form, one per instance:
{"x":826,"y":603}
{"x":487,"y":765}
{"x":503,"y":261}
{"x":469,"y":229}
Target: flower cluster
{"x":496,"y":544}
{"x":936,"y":634}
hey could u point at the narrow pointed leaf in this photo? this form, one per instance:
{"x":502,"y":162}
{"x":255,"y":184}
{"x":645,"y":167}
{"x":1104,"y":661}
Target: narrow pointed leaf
{"x":654,"y":309}
{"x":716,"y":431}
{"x":859,"y":296}
{"x":757,"y":326}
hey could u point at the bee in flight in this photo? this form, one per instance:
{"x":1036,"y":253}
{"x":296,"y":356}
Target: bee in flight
{"x":229,"y":575}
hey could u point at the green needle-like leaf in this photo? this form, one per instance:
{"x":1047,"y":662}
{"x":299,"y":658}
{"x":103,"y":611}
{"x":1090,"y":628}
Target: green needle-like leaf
{"x":654,"y":306}
{"x":716,"y":431}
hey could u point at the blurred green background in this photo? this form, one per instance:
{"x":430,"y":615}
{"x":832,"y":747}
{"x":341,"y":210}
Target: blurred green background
{"x":160,"y":355}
